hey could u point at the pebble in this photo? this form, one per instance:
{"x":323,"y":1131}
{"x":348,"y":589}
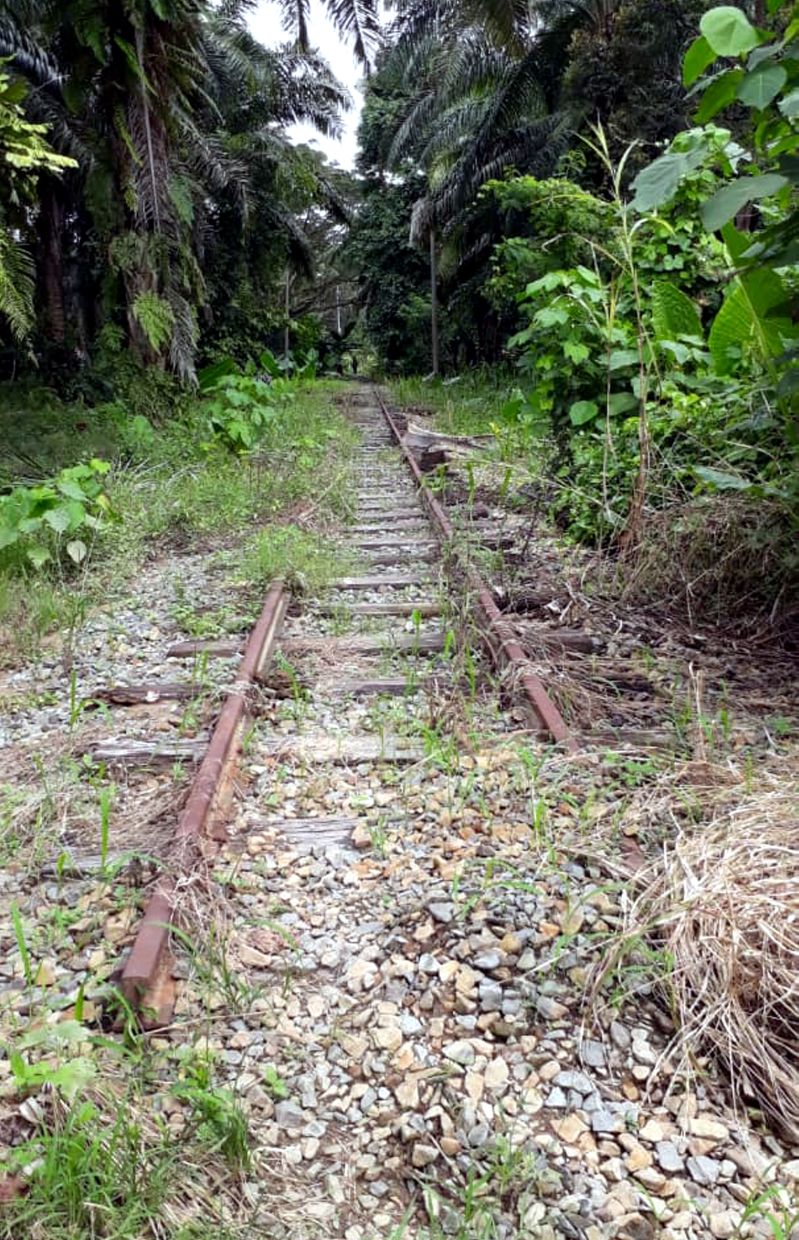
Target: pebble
{"x":461,"y":1052}
{"x":289,"y":1115}
{"x":703,"y":1170}
{"x":668,"y":1158}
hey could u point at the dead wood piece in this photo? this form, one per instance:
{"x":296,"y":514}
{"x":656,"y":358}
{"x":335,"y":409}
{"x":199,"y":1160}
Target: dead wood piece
{"x":411,"y":526}
{"x":367,"y":688}
{"x":573,"y":640}
{"x":420,"y":439}
{"x":147,"y":753}
{"x":401,"y":608}
{"x":401,"y":541}
{"x":345,"y":750}
{"x":432,"y":459}
{"x":224,"y":648}
{"x":390,"y":558}
{"x":135,"y":695}
{"x":385,"y":580}
{"x":399,"y":643}
{"x":309,"y":833}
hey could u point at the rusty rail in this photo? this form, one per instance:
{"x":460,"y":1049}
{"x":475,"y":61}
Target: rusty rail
{"x":498,"y":633}
{"x":144,"y":981}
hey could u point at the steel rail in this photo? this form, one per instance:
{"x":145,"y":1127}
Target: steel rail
{"x":143,"y":981}
{"x":498,"y":633}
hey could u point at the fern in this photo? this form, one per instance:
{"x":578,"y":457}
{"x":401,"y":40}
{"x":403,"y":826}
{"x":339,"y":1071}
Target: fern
{"x":24,"y":151}
{"x":156,"y":318}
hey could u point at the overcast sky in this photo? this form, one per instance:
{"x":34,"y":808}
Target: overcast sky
{"x":264,"y":22}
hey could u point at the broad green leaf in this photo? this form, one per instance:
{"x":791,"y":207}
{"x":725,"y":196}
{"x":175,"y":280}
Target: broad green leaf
{"x":8,"y":536}
{"x":789,"y":106}
{"x":621,"y":358}
{"x":209,"y":376}
{"x":729,"y":31}
{"x":746,"y":324}
{"x":700,"y":56}
{"x":269,"y":363}
{"x":622,"y":402}
{"x":551,"y":316}
{"x":99,"y":466}
{"x":761,"y":87}
{"x":719,"y":94}
{"x":720,"y":480}
{"x":72,"y":489}
{"x":736,"y":242}
{"x":673,"y":313}
{"x":679,"y":351}
{"x":76,"y":550}
{"x":58,"y":518}
{"x":764,"y":52}
{"x":659,"y":182}
{"x":37,"y":555}
{"x":577,"y":351}
{"x":730,"y":199}
{"x":583,"y":411}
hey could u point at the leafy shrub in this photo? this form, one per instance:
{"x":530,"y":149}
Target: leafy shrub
{"x":241,"y":406}
{"x":53,"y":518}
{"x":552,"y":224}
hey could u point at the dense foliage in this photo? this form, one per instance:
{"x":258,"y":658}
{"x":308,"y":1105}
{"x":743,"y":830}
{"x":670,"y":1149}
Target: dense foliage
{"x":610,"y":192}
{"x":466,"y":93}
{"x":594,"y":198}
{"x":160,"y":204}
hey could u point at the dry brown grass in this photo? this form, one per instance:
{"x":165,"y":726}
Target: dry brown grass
{"x":722,"y":904}
{"x":719,"y":559}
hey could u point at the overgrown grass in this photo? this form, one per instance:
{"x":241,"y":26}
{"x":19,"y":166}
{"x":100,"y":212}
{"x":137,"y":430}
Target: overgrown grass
{"x":708,"y":555}
{"x":467,"y":405}
{"x":40,"y":434}
{"x":307,"y":562}
{"x":170,"y":488}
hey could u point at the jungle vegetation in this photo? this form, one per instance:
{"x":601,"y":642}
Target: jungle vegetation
{"x":581,"y":211}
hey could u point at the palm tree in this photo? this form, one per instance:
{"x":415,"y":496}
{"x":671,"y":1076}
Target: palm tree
{"x":500,"y":85}
{"x":175,"y":115}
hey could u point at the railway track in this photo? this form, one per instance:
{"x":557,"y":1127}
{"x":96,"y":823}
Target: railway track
{"x":411,"y":566}
{"x":366,"y":933}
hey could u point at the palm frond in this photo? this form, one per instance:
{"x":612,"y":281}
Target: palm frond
{"x":358,"y":20}
{"x":295,"y":18}
{"x":16,"y":285}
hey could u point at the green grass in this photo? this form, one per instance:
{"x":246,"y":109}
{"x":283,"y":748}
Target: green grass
{"x":179,"y":493}
{"x":40,"y":434}
{"x":307,"y":562}
{"x":469,"y":405}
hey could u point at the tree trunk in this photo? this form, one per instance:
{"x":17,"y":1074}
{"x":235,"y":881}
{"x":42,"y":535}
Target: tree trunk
{"x":287,"y":331}
{"x":51,"y":261}
{"x":433,"y":302}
